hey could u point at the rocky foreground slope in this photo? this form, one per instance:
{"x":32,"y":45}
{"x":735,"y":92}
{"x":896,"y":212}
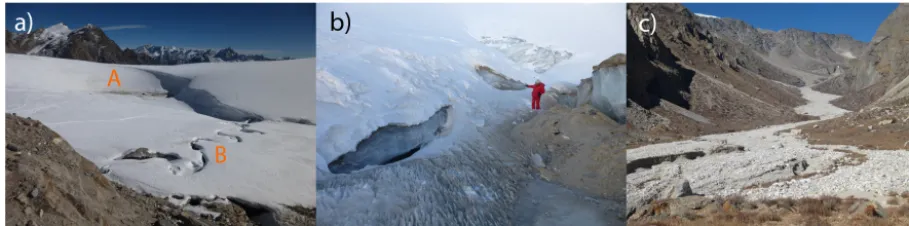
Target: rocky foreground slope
{"x":49,"y":183}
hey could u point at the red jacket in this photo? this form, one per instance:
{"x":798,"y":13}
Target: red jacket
{"x":538,"y":89}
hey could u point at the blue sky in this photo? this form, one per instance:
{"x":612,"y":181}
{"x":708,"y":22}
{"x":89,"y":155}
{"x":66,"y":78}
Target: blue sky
{"x":858,"y":20}
{"x":275,"y":30}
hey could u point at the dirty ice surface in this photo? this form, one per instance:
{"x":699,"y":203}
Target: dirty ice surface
{"x":378,"y":76}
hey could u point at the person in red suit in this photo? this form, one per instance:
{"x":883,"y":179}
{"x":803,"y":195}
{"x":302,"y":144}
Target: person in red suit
{"x":538,"y":89}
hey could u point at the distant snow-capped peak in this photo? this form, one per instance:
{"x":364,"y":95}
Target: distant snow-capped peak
{"x":55,"y":31}
{"x":49,"y":38}
{"x":537,"y":58}
{"x":179,"y":55}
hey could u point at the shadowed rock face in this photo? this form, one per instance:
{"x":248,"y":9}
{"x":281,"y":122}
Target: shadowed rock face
{"x":392,"y":143}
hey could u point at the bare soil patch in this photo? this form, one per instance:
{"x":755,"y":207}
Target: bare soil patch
{"x":881,"y":128}
{"x":733,"y":210}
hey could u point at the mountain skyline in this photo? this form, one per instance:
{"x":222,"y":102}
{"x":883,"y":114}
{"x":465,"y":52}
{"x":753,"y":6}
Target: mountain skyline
{"x":269,"y":29}
{"x":859,"y":20}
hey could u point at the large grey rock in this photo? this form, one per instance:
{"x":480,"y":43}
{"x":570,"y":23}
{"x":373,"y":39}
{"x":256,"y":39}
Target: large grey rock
{"x":537,"y":160}
{"x":798,"y":167}
{"x":727,"y":148}
{"x":683,"y":189}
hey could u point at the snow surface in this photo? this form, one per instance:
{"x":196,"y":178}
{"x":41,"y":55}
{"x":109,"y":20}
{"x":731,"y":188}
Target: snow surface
{"x":273,"y":89}
{"x":102,"y":123}
{"x":55,"y":31}
{"x":392,"y":69}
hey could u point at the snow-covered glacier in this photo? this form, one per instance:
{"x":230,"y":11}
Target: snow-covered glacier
{"x":271,"y":161}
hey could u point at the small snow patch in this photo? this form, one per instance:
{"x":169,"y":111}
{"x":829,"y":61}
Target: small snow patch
{"x":847,"y":54}
{"x":706,"y":16}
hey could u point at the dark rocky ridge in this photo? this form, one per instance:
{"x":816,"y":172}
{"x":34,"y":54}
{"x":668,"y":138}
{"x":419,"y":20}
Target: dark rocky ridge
{"x":809,"y":51}
{"x":90,"y":43}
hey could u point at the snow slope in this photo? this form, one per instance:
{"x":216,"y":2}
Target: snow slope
{"x":273,"y":89}
{"x":269,"y":162}
{"x":706,"y":15}
{"x":537,"y":58}
{"x":591,"y":32}
{"x":379,"y":75}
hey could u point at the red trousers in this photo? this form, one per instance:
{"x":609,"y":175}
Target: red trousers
{"x":535,"y":102}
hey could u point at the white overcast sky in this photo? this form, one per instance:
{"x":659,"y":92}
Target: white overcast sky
{"x":594,"y":30}
{"x":581,"y":28}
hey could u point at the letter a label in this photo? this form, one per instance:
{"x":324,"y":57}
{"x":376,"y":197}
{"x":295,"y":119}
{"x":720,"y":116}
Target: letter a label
{"x":113,"y":77}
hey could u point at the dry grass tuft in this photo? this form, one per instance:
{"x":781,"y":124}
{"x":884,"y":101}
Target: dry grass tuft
{"x":901,"y":211}
{"x":816,"y":207}
{"x":784,"y":203}
{"x":893,"y":201}
{"x":813,"y":220}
